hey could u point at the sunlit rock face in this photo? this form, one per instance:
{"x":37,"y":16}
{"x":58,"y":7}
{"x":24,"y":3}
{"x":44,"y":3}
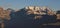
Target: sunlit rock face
{"x":1,"y":9}
{"x":39,"y":11}
{"x":4,"y":14}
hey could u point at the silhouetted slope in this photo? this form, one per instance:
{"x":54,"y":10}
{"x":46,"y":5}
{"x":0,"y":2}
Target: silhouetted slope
{"x":21,"y":20}
{"x":44,"y":19}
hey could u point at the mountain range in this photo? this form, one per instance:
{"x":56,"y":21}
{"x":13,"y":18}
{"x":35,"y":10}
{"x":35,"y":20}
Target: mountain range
{"x":30,"y":17}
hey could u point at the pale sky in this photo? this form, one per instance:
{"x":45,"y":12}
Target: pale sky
{"x":18,"y":4}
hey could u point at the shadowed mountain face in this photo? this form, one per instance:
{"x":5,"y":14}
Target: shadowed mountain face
{"x":20,"y":19}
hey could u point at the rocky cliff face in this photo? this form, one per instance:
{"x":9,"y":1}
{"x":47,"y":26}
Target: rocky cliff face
{"x":38,"y":11}
{"x":4,"y":13}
